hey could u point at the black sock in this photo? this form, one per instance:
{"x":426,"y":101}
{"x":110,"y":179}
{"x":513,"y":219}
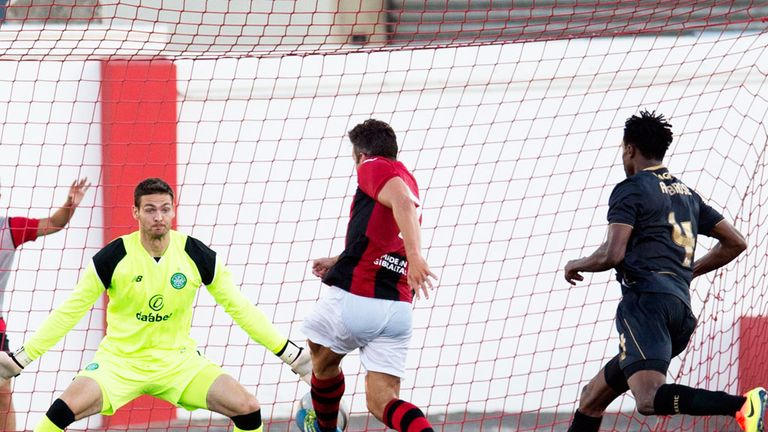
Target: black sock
{"x":60,"y":414}
{"x":248,"y":422}
{"x":584,"y":423}
{"x":679,"y":399}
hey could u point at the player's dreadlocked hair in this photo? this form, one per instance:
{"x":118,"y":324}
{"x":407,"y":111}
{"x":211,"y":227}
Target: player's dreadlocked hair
{"x":649,"y":133}
{"x":151,"y":186}
{"x":374,"y":138}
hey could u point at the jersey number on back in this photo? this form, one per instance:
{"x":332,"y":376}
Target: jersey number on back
{"x":682,"y":235}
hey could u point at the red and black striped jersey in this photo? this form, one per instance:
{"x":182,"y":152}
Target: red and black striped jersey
{"x":373,"y":263}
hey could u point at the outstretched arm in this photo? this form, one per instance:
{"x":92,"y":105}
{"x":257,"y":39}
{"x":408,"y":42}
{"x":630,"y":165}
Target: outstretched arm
{"x":731,"y":244}
{"x":607,"y":256}
{"x":62,"y":216}
{"x":55,"y":326}
{"x":396,"y":195}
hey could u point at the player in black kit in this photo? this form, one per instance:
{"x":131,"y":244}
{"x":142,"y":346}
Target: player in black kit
{"x":654,"y":219}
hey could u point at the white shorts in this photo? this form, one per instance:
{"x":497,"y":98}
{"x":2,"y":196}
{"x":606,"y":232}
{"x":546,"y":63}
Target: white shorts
{"x":381,"y":329}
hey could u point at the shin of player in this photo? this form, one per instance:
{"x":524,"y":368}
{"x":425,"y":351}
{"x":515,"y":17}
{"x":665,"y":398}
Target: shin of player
{"x":654,"y":219}
{"x":371,"y":284}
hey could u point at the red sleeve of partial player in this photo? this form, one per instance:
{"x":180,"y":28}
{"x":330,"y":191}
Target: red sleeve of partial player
{"x":373,"y":174}
{"x":23,"y":230}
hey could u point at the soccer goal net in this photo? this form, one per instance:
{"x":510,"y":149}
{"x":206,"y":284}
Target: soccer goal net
{"x":510,"y":116}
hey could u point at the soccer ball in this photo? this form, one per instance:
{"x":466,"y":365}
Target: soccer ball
{"x":301,"y":406}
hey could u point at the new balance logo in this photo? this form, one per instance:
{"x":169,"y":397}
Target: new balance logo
{"x":138,"y":278}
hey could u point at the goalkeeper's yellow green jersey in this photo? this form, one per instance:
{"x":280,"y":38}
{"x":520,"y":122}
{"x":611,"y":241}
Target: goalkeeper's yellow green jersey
{"x":151,"y":301}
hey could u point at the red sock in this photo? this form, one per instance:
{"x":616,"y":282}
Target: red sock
{"x":405,"y":417}
{"x":326,"y":397}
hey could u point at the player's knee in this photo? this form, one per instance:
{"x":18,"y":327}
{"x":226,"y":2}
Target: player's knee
{"x":586,"y":399}
{"x":325,"y":363}
{"x":645,"y":406}
{"x":586,"y":392}
{"x":251,"y":405}
{"x":644,"y":402}
{"x":246,"y":405}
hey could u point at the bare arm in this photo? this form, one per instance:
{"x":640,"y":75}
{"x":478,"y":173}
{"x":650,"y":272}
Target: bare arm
{"x":607,"y":256}
{"x":731,"y":244}
{"x":62,"y":216}
{"x":396,"y":195}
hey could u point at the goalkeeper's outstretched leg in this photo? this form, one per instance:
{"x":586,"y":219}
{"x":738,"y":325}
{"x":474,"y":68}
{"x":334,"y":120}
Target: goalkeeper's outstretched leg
{"x":191,"y":382}
{"x":228,"y":397}
{"x":81,"y":399}
{"x":142,"y":353}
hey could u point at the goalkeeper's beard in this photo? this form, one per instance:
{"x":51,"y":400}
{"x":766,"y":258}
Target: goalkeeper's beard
{"x":153,"y":233}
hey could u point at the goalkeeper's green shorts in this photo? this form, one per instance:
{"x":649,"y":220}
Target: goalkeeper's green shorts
{"x":181,"y":377}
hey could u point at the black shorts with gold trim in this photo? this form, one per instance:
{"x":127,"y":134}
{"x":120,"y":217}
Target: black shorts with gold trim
{"x":653,"y":328}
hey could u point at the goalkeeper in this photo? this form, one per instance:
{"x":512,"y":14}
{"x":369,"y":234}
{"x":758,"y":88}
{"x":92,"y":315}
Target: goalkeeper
{"x":151,"y":277}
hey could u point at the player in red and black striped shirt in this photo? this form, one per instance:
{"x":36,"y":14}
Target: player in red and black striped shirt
{"x":371,"y":286}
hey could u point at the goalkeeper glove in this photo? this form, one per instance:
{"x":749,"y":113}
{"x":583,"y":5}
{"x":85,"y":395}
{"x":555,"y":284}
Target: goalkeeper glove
{"x":298,"y":359}
{"x":11,"y":365}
